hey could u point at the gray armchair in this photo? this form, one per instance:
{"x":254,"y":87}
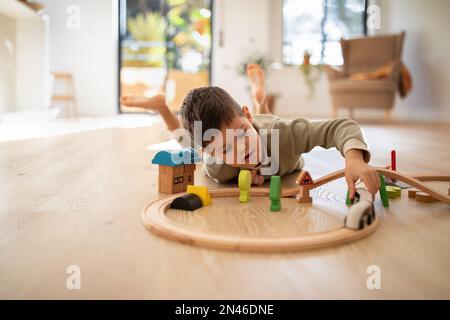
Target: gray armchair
{"x":367,"y":55}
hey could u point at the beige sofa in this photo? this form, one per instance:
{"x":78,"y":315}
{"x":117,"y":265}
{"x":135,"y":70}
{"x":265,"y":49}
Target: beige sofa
{"x":366,"y":55}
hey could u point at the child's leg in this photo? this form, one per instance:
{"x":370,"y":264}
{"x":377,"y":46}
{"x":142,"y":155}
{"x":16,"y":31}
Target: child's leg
{"x":157,"y":104}
{"x":257,"y":82}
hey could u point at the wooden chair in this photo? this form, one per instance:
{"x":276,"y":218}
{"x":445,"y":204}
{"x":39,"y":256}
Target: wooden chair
{"x":367,"y":55}
{"x":68,"y":97}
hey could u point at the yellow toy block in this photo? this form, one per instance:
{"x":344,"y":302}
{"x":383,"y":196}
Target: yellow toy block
{"x":244,"y":181}
{"x":202,"y":192}
{"x":393,"y":192}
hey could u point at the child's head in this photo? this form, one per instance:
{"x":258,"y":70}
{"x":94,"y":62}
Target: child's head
{"x":216,"y":109}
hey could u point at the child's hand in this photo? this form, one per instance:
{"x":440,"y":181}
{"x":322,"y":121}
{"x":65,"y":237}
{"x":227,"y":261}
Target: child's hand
{"x":356,"y":168}
{"x":257,"y":180}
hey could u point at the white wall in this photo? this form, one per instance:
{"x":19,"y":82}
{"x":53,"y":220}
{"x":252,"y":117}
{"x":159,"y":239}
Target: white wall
{"x":7,"y":64}
{"x":89,"y":53}
{"x":426,"y":54}
{"x":244,"y":28}
{"x":426,"y":50}
{"x":31,"y":65}
{"x":23,"y":68}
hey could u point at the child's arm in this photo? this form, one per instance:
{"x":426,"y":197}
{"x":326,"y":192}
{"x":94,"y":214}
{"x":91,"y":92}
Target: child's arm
{"x":220,"y":173}
{"x":343,"y":134}
{"x":223,"y":173}
{"x":157,"y":104}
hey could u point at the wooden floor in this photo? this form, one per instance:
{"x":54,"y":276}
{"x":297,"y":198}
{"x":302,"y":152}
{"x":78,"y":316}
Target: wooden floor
{"x":76,"y":200}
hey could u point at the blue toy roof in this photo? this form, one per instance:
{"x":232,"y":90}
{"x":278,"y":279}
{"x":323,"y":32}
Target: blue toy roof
{"x":176,"y":158}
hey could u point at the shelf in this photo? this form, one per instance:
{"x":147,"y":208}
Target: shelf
{"x":17,"y":10}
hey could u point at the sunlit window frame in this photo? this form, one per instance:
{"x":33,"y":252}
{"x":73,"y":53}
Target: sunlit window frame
{"x":363,"y":21}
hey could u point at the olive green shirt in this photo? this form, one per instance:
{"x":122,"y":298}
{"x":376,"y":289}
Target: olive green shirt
{"x":297,"y":136}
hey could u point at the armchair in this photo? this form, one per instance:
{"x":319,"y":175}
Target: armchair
{"x":362,"y":55}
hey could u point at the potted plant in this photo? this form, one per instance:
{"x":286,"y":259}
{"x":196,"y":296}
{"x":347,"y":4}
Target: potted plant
{"x":311,"y":73}
{"x":147,"y":30}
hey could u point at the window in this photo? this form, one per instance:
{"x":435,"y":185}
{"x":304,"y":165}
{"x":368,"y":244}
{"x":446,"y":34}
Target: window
{"x":165,"y":46}
{"x":316,"y":27}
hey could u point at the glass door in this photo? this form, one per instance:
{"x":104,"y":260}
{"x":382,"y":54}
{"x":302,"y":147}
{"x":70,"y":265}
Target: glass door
{"x":165,"y":47}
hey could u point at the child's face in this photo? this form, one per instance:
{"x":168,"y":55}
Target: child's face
{"x":240,"y":143}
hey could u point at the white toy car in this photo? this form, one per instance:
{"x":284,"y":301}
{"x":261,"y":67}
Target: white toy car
{"x":362,"y":212}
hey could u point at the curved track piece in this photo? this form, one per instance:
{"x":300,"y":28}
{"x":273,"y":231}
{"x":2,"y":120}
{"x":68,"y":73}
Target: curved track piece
{"x":155,"y":219}
{"x":414,"y":181}
{"x":430,"y":178}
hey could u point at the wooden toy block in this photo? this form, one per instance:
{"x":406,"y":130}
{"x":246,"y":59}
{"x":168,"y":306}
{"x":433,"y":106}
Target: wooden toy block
{"x":189,"y":168}
{"x":303,"y":195}
{"x":424,"y":197}
{"x":176,"y":158}
{"x":304,"y":178}
{"x":178,"y":183}
{"x":306,"y":183}
{"x":393,"y":160}
{"x":170,"y":184}
{"x":244,"y":182}
{"x":394,"y":163}
{"x":348,"y":202}
{"x":176,"y":169}
{"x":383,"y":192}
{"x":187,"y":202}
{"x":412,"y":193}
{"x":164,"y":158}
{"x":174,"y":179}
{"x":202,"y":192}
{"x":275,"y":193}
{"x":171,"y":170}
{"x":393,"y":192}
{"x":188,"y":179}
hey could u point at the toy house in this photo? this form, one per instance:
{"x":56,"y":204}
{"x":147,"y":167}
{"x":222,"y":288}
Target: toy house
{"x":305,"y":182}
{"x":304,"y":178}
{"x":176,"y":169}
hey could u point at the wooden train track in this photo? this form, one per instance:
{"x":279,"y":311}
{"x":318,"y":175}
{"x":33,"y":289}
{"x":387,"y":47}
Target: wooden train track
{"x":154,"y":218}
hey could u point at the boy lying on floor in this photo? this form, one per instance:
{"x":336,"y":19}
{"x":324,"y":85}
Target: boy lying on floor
{"x":216,"y":109}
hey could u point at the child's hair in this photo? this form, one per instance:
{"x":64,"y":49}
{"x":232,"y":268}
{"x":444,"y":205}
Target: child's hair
{"x":213,"y":106}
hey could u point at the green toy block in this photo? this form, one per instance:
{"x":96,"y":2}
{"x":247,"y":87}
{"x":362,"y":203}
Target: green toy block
{"x":244,"y":182}
{"x":383,"y":192}
{"x":275,"y":193}
{"x":348,"y":202}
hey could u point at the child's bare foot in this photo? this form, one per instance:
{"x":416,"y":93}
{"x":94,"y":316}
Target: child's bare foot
{"x":155,"y":103}
{"x":257,"y":82}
